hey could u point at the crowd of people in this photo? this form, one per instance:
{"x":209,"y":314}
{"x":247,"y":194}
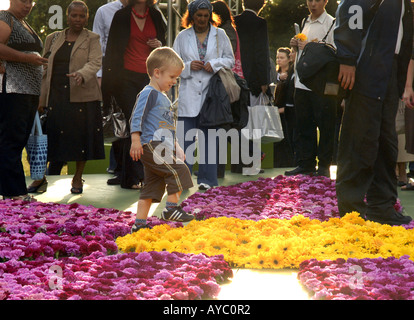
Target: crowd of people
{"x":124,"y":60}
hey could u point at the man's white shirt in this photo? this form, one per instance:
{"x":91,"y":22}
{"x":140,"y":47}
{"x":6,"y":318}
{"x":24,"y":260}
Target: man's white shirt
{"x":316,"y":30}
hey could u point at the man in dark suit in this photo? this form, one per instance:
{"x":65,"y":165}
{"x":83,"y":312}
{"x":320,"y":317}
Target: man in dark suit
{"x":254,"y":52}
{"x":254,"y":46}
{"x":373,"y":66}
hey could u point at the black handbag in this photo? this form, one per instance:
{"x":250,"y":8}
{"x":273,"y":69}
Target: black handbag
{"x":239,"y":108}
{"x":114,"y":124}
{"x":318,"y":67}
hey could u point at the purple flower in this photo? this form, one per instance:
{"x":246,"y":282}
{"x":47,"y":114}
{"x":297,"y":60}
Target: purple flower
{"x":379,"y":278}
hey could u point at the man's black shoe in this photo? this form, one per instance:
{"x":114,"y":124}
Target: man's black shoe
{"x":114,"y":181}
{"x":396,"y":219}
{"x":299,"y":170}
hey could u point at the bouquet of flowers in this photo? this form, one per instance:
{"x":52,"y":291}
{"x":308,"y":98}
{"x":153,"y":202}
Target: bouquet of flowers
{"x":301,"y":37}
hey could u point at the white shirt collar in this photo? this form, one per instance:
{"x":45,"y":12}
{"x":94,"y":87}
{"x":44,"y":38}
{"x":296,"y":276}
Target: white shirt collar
{"x":320,"y":19}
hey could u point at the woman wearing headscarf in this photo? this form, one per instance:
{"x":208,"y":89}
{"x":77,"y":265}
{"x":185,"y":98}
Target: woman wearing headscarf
{"x":20,"y":81}
{"x":205,"y":49}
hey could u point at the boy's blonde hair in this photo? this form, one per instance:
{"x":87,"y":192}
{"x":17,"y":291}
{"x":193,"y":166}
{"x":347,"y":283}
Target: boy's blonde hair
{"x":161,"y":58}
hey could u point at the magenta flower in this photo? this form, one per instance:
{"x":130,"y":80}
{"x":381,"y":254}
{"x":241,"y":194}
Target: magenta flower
{"x":359,"y":279}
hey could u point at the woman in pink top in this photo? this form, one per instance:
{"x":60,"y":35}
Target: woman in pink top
{"x":135,"y":31}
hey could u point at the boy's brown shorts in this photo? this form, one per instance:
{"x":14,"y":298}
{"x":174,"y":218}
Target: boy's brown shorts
{"x":174,"y":175}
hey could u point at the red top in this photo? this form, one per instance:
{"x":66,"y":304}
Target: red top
{"x":137,"y":51}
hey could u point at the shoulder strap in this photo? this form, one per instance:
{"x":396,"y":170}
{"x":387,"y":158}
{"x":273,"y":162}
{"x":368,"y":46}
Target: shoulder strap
{"x":330,"y":28}
{"x":218,"y":54}
{"x":303,"y":23}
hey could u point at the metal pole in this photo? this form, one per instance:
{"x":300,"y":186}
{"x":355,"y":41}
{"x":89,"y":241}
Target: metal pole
{"x":169,"y":25}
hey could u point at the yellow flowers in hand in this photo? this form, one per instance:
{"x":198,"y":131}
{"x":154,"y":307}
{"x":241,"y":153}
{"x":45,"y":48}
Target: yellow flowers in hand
{"x":301,"y":37}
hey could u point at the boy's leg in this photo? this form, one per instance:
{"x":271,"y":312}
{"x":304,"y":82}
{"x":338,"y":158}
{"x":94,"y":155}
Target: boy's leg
{"x":152,"y":191}
{"x":142,"y":214}
{"x":143,"y":208}
{"x":159,"y":174}
{"x":174,"y":198}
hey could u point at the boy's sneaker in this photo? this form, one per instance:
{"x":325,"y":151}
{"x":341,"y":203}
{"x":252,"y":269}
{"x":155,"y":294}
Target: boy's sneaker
{"x":137,"y":227}
{"x":176,"y":214}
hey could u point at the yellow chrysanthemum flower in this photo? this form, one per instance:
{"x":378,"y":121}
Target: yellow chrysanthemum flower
{"x":276,"y":259}
{"x":162,"y":245}
{"x":250,"y":244}
{"x":185,"y":246}
{"x":301,"y":37}
{"x":200,"y":244}
{"x":260,"y":244}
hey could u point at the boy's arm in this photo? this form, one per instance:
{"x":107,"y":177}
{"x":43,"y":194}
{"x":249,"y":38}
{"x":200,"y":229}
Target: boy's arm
{"x":180,"y":154}
{"x":136,"y":150}
{"x":143,"y":103}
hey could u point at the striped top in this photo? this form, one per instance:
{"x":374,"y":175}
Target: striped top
{"x":23,"y":78}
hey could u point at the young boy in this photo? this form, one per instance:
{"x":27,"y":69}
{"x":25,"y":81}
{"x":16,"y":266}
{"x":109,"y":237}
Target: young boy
{"x":153,"y":140}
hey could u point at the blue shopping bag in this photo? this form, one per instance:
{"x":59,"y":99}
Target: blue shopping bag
{"x":37,"y":150}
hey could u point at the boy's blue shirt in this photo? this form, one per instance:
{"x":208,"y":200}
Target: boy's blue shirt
{"x":153,"y":116}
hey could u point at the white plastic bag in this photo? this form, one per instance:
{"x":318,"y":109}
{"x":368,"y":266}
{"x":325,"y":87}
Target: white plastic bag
{"x":266,"y":119}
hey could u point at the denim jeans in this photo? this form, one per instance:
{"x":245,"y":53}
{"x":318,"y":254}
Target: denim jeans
{"x":207,"y":169}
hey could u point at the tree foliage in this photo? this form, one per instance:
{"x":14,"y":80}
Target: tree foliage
{"x":279,"y":14}
{"x":40,"y":16}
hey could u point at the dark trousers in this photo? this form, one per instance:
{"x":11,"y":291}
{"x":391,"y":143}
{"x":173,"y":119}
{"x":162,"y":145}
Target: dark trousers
{"x":17,"y":112}
{"x":291,"y":130}
{"x":314,"y":111}
{"x":283,"y":152}
{"x":131,"y":172}
{"x":367,"y":154}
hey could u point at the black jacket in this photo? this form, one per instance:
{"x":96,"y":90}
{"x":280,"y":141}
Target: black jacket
{"x":118,"y":38}
{"x":216,"y":109}
{"x":254,"y":50}
{"x":373,"y":50}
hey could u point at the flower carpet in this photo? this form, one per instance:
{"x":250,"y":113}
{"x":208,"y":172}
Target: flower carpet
{"x":56,"y":251}
{"x":59,"y":251}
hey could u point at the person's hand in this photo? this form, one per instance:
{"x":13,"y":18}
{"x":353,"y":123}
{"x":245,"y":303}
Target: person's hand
{"x":208,"y":67}
{"x":294,"y":43}
{"x":35,"y":59}
{"x":197,"y":65}
{"x":179,"y":152}
{"x":264,"y":88}
{"x":302,"y":44}
{"x":281,"y":110}
{"x":408,"y":97}
{"x":77,"y":77}
{"x":136,"y":151}
{"x":346,"y":76}
{"x":154,"y":43}
{"x":283,"y":76}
